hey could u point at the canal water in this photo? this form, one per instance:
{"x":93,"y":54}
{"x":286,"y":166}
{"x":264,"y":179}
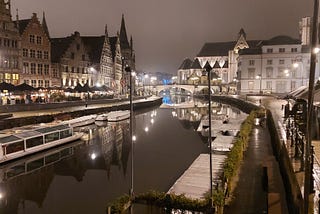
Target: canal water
{"x":84,"y":176}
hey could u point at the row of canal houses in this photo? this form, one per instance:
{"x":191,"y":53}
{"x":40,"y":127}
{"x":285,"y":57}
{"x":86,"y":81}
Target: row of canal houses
{"x":277,"y":65}
{"x":29,"y":55}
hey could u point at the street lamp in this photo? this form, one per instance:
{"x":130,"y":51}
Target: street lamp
{"x":259,"y":77}
{"x":145,"y":76}
{"x":297,"y":63}
{"x":132,"y":137}
{"x":208,"y":70}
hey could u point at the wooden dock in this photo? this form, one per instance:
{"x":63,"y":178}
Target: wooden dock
{"x":195,"y":181}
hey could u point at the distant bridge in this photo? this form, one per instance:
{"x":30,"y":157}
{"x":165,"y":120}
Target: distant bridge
{"x":192,"y":89}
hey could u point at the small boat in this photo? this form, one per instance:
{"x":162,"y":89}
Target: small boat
{"x":28,"y":142}
{"x":114,"y":116}
{"x":81,"y":121}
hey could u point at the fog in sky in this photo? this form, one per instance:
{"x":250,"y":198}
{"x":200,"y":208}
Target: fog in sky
{"x":167,"y":31}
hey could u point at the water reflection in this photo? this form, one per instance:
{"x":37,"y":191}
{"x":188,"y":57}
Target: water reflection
{"x":29,"y":179}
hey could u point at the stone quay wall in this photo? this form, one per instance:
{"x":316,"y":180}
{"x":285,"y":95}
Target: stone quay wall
{"x":8,"y":123}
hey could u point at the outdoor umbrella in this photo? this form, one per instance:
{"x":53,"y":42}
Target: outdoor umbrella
{"x":79,"y":88}
{"x":6,"y":86}
{"x":24,"y":87}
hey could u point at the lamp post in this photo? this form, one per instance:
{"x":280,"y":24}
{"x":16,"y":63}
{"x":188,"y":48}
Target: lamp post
{"x":208,"y":70}
{"x":132,"y":137}
{"x":308,"y":172}
{"x":298,"y":61}
{"x":287,"y":73}
{"x":259,"y":77}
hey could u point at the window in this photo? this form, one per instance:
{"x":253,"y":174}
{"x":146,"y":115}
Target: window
{"x":251,"y":73}
{"x":25,"y":52}
{"x":251,"y":62}
{"x":55,"y":73}
{"x":32,"y":53}
{"x":83,"y":57}
{"x":269,"y":62}
{"x":269,"y":50}
{"x":34,"y":83}
{"x":32,"y":142}
{"x":66,"y":70}
{"x":25,"y":68}
{"x":7,"y":76}
{"x":72,"y":69}
{"x":33,"y":68}
{"x":15,"y":76}
{"x":46,"y":69}
{"x":39,"y":54}
{"x":47,"y":83}
{"x":14,"y":147}
{"x":269,"y":85}
{"x":39,"y":40}
{"x":40,"y":68}
{"x":26,"y":82}
{"x":281,"y":61}
{"x":40,"y":83}
{"x":269,"y":72}
{"x":282,"y":50}
{"x":294,"y":50}
{"x":250,"y":85}
{"x":72,"y":55}
{"x":31,"y":38}
{"x":45,"y":55}
{"x":78,"y":46}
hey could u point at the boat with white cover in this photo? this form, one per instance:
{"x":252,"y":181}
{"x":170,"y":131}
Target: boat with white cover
{"x":17,"y":145}
{"x":114,"y":116}
{"x":81,"y":121}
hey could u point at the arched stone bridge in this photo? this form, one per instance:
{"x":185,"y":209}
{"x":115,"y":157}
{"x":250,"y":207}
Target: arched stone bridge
{"x":192,"y":89}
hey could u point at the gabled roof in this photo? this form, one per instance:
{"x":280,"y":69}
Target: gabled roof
{"x":59,"y":46}
{"x":113,"y":41}
{"x":186,"y":64}
{"x":22,"y":24}
{"x":94,"y":45}
{"x":216,"y":65}
{"x":196,"y":64}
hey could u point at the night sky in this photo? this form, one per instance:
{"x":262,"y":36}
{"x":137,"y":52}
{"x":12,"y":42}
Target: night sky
{"x":167,"y":31}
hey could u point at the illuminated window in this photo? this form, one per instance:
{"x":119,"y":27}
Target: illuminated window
{"x":15,"y":76}
{"x":7,"y":76}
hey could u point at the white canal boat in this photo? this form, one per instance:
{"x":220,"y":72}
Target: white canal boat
{"x":114,"y":116}
{"x":81,"y":121}
{"x":28,"y":142}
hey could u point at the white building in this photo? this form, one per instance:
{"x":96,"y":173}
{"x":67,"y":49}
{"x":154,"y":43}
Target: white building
{"x":278,"y":65}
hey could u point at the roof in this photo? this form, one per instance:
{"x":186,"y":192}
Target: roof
{"x":22,"y":25}
{"x":282,"y":40}
{"x":59,"y":46}
{"x":113,"y":41}
{"x":94,"y":45}
{"x":196,"y":64}
{"x":186,"y":64}
{"x":216,"y":49}
{"x":123,"y":35}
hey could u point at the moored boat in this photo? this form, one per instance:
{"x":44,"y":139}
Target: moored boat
{"x":81,"y":121}
{"x":28,"y":142}
{"x":114,"y":116}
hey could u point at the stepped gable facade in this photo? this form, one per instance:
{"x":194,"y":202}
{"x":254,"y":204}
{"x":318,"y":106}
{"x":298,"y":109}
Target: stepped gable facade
{"x":10,"y":44}
{"x":36,"y":54}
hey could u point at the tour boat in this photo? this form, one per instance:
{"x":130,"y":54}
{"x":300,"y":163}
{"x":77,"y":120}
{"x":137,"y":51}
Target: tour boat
{"x":81,"y":121}
{"x":17,"y":145}
{"x":114,"y":116}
